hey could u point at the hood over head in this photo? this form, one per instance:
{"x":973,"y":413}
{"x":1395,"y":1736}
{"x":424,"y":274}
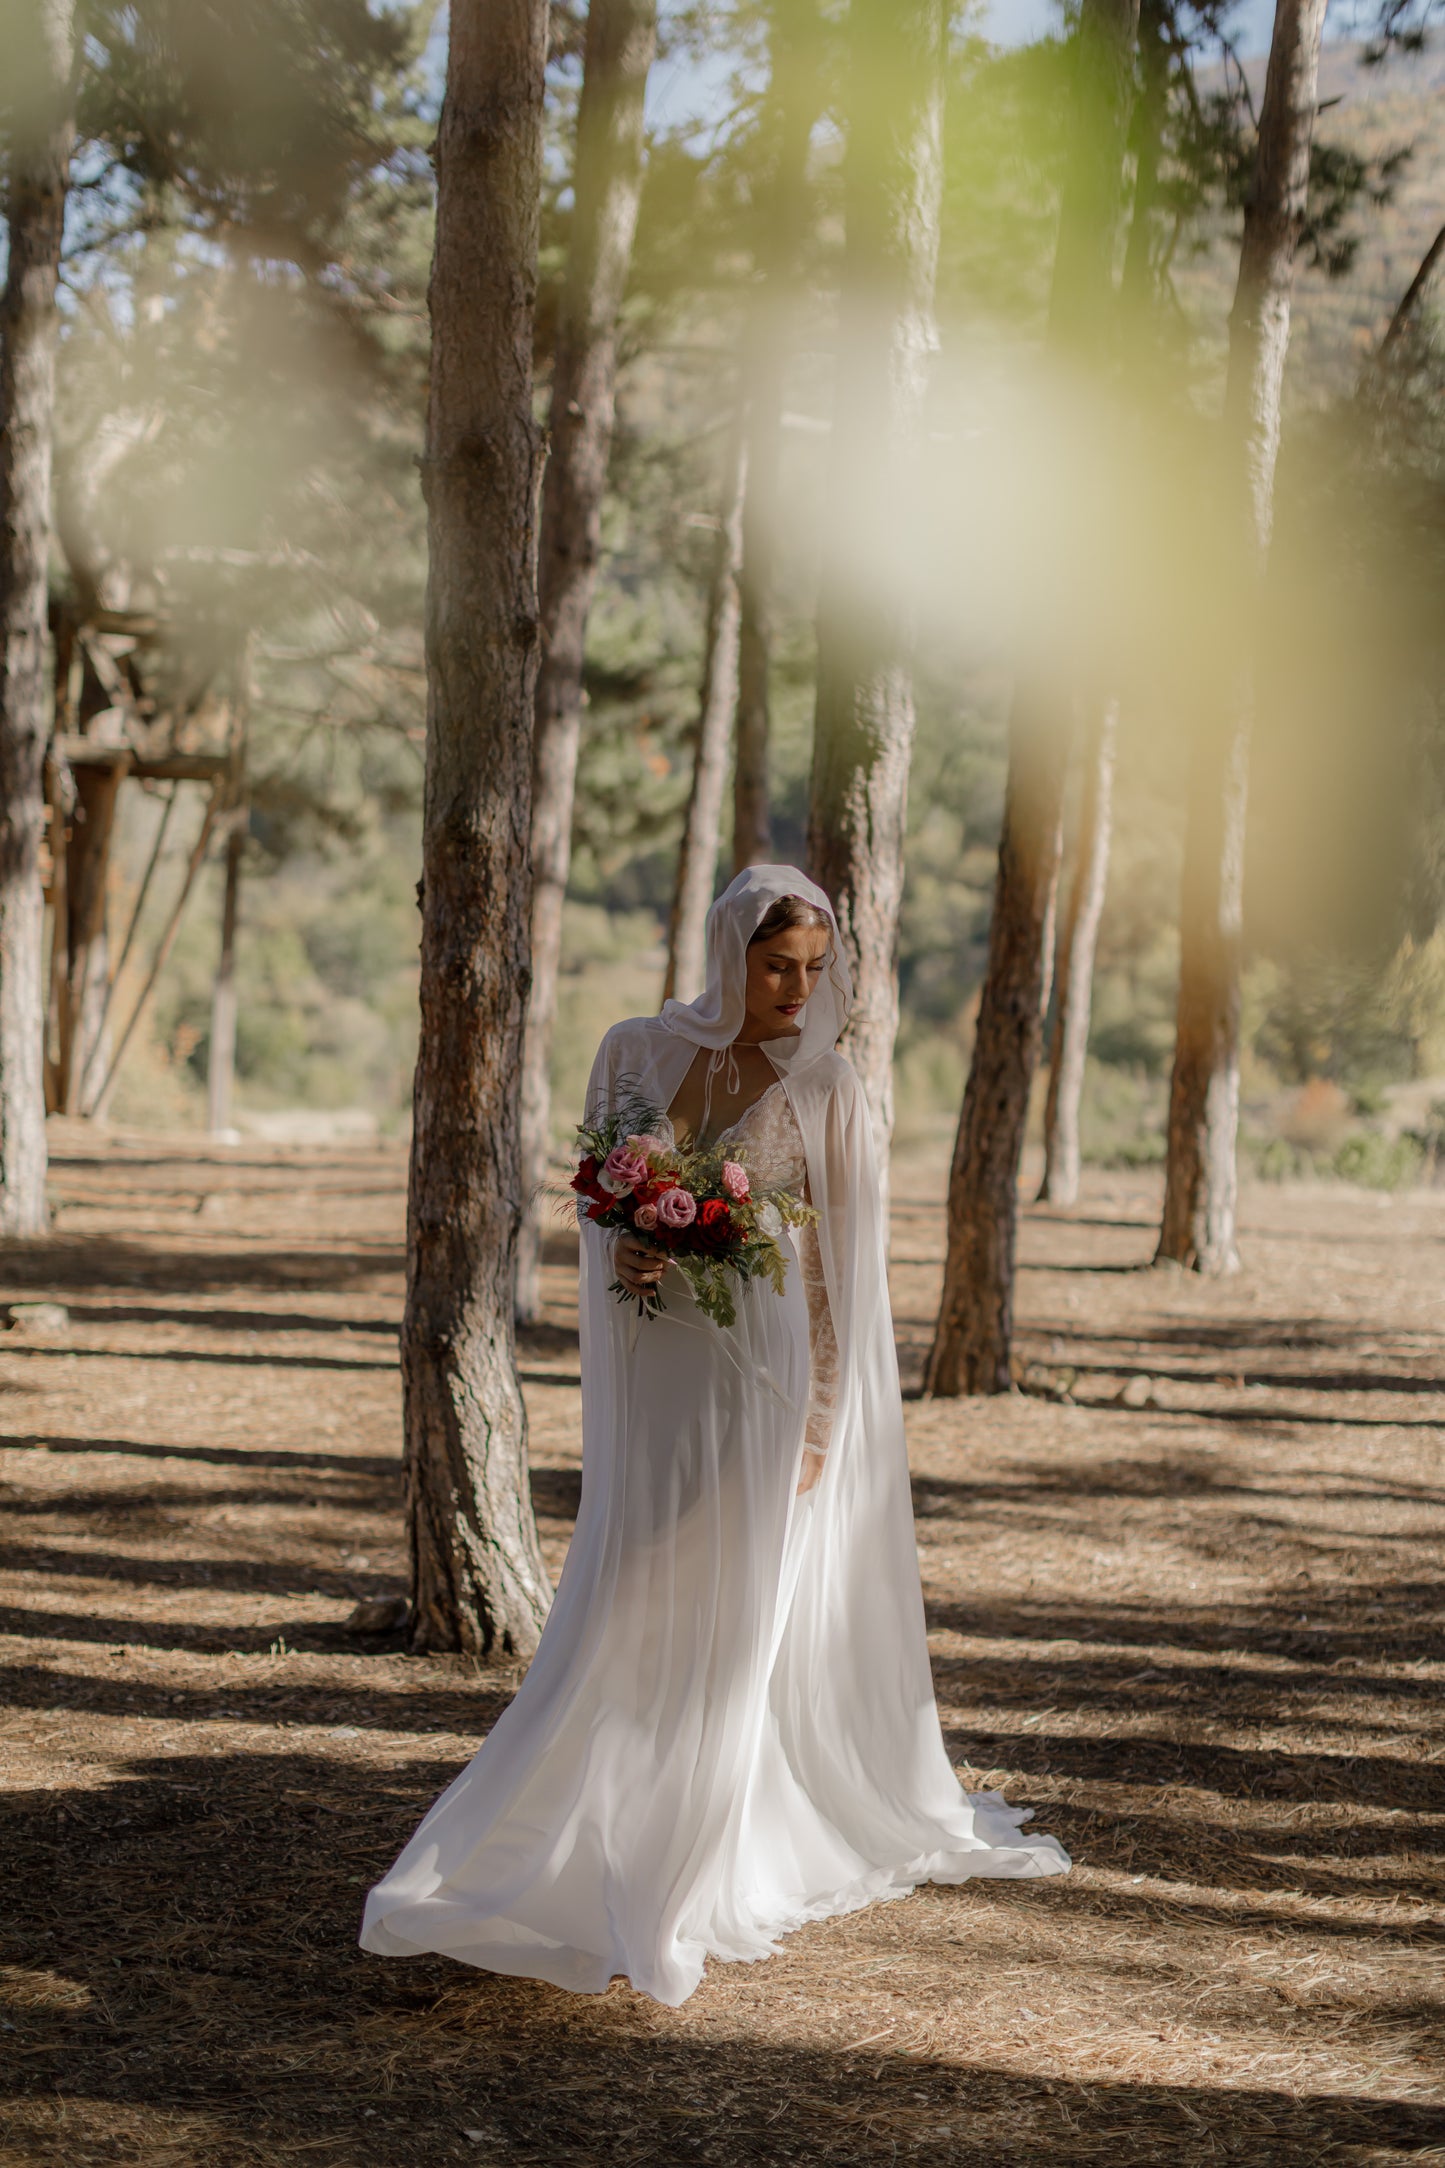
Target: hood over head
{"x":716,"y":1017}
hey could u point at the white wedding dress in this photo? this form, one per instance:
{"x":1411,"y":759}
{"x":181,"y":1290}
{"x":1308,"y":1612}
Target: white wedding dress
{"x":729,"y":1726}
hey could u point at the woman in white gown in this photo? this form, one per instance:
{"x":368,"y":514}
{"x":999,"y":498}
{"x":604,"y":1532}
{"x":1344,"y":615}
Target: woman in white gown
{"x":729,"y":1726}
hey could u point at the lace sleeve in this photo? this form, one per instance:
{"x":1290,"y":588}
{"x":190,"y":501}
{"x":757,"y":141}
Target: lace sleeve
{"x":822,"y":1345}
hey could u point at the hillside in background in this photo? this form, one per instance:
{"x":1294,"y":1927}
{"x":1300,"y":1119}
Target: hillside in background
{"x":327,"y":950}
{"x":1371,"y":111}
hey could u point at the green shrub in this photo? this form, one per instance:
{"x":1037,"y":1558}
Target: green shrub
{"x":1122,"y":1117}
{"x":1430,"y":1136}
{"x":1367,"y":1098}
{"x":1378,"y":1162}
{"x":1276,"y":1159}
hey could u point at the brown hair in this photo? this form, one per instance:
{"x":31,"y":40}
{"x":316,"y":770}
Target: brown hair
{"x":787,"y":912}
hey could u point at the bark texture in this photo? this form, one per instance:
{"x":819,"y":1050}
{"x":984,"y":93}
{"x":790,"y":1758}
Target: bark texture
{"x":863,"y":728}
{"x":794,"y":102}
{"x":607,"y":182}
{"x":972,"y":1342}
{"x":1138,"y":297}
{"x":39,"y":120}
{"x":477,"y":1579}
{"x":1140,"y":276}
{"x":1084,"y":909}
{"x":702,"y":824}
{"x":1201,"y":1177}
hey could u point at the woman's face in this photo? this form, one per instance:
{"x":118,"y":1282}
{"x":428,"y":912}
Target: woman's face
{"x":782,"y":971}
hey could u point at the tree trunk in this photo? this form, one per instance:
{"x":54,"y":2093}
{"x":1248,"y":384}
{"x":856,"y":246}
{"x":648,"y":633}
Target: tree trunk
{"x":221,"y":1054}
{"x":702,"y":825}
{"x":607,"y":183}
{"x":863,"y":728}
{"x":477,"y":1579}
{"x":1139,"y":279}
{"x":972,"y":1343}
{"x":1076,"y":962}
{"x":1068,"y":1051}
{"x":1050,"y":941}
{"x":794,"y":103}
{"x":1198,"y":1226}
{"x":40,"y":127}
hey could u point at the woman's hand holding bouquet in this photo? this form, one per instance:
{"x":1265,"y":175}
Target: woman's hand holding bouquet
{"x":699,"y":1208}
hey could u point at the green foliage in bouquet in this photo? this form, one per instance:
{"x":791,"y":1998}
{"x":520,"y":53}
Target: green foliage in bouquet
{"x":699,"y":1205}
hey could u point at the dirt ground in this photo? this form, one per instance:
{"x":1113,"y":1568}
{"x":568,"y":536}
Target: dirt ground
{"x":1186,"y":1599}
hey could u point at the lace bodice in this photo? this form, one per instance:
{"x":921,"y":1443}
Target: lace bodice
{"x":770,"y":1145}
{"x":770,"y":1142}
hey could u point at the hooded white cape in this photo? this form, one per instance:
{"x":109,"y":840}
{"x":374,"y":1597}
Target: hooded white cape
{"x":729,"y":1726}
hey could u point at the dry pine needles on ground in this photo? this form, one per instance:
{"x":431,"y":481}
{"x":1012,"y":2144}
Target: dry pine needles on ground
{"x":1185,"y":1598}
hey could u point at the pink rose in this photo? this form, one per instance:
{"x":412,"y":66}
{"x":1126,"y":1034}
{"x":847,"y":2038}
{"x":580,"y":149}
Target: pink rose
{"x":648,"y":1147}
{"x":645,"y":1217}
{"x":622,"y":1171}
{"x":677,"y":1208}
{"x":734,"y":1178}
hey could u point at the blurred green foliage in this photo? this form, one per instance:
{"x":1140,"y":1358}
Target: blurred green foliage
{"x":242,"y":397}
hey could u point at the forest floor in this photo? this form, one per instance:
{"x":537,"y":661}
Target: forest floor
{"x":1186,"y":1598}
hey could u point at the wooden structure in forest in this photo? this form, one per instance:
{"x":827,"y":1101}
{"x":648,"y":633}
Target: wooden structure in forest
{"x":127,"y":709}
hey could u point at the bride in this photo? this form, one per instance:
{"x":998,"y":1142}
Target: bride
{"x":729,"y":1726}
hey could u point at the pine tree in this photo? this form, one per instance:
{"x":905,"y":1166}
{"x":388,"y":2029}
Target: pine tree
{"x":702,"y":822}
{"x":478,"y":1582}
{"x":972,"y":1341}
{"x":607,"y":181}
{"x":863,"y":728}
{"x":40,"y":121}
{"x":794,"y":100}
{"x":1198,"y":1227}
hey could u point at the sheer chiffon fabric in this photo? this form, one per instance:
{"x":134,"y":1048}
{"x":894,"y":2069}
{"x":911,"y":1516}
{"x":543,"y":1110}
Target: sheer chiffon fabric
{"x":729,"y":1726}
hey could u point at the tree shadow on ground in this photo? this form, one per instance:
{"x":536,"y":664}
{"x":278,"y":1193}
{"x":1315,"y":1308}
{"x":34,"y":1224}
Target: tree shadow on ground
{"x":225,"y":1317}
{"x":225,"y":1358}
{"x":1403,"y":1623}
{"x":383,"y":1466}
{"x":180,"y":1960}
{"x":94,"y":1263}
{"x":1387,"y":1783}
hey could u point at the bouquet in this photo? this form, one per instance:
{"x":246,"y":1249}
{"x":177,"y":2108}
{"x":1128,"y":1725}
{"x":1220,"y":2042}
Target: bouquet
{"x":700,"y":1207}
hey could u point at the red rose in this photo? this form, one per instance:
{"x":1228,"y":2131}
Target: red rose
{"x":586,"y":1184}
{"x":713,"y":1227}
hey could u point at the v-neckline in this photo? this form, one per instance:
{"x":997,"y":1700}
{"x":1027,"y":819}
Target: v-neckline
{"x":711,"y":1144}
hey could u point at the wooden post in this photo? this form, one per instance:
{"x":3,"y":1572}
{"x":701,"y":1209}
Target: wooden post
{"x":98,"y":1104}
{"x":221,"y":1056}
{"x":88,"y":855}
